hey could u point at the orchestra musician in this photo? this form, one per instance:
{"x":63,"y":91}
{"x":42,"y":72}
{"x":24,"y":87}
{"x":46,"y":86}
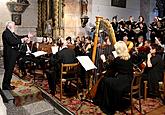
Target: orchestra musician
{"x":64,"y":55}
{"x":154,"y":70}
{"x":128,"y":43}
{"x":116,"y":80}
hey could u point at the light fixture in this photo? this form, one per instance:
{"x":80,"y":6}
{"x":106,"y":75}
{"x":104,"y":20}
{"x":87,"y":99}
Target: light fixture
{"x":84,"y":20}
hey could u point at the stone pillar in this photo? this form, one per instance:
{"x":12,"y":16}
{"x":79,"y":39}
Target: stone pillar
{"x":42,"y":16}
{"x":39,"y":27}
{"x":58,"y":29}
{"x":145,"y":10}
{"x":55,"y":19}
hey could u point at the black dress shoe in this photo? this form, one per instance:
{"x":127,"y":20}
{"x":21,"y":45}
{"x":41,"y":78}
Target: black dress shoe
{"x":9,"y":88}
{"x":12,"y":87}
{"x":52,"y":93}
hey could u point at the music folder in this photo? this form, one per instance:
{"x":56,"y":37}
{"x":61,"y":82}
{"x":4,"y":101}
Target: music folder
{"x":86,"y":62}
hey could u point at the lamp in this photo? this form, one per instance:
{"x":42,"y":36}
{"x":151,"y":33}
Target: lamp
{"x":84,"y":20}
{"x":17,"y":8}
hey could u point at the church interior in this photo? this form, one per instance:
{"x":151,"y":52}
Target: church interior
{"x":90,"y":30}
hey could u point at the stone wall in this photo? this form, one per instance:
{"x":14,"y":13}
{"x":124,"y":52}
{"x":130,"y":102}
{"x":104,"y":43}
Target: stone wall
{"x":29,"y":18}
{"x":72,"y":15}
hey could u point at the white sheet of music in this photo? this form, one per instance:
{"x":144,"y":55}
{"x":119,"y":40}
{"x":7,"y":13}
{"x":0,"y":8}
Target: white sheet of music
{"x":86,"y":62}
{"x":39,"y":53}
{"x":114,"y":54}
{"x":54,"y":49}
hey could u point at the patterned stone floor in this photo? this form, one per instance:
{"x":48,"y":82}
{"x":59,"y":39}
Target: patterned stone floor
{"x":38,"y":108}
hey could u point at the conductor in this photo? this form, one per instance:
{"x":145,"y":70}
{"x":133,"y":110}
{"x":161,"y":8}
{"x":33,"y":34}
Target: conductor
{"x":10,"y":52}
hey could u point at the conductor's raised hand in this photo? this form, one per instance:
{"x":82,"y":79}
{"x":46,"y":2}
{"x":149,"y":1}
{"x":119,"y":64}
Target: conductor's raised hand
{"x":31,"y":34}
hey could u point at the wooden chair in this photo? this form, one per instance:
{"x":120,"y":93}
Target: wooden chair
{"x":135,"y":91}
{"x":71,"y":71}
{"x":161,"y":89}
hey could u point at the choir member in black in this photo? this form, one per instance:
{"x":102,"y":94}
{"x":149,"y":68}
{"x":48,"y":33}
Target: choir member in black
{"x":153,"y":29}
{"x":155,"y":69}
{"x":143,"y":28}
{"x":121,"y":30}
{"x":114,"y":23}
{"x":130,"y":26}
{"x":117,"y":80}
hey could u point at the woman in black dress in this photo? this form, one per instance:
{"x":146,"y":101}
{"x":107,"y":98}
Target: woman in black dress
{"x":154,"y":69}
{"x":117,"y":80}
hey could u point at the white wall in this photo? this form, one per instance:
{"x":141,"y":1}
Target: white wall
{"x":104,"y":8}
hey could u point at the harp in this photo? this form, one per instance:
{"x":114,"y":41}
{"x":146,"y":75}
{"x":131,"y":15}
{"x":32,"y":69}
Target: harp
{"x":106,"y":26}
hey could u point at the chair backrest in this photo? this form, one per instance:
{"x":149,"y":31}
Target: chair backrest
{"x":136,"y":81}
{"x":69,"y":68}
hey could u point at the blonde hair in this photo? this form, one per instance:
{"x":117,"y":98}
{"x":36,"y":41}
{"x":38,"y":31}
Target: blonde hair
{"x":122,"y":50}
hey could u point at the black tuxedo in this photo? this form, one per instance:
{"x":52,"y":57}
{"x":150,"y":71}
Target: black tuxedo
{"x":10,"y":53}
{"x":66,"y":55}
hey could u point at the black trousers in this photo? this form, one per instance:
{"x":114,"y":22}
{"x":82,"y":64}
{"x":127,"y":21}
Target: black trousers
{"x":52,"y":79}
{"x":9,"y":64}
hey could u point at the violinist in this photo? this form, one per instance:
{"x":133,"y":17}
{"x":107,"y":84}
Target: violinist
{"x":155,"y":70}
{"x":87,"y":47}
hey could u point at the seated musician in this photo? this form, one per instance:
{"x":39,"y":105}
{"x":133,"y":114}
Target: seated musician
{"x":116,"y":80}
{"x":64,"y":55}
{"x":26,"y":57}
{"x":128,"y":43}
{"x":69,"y":40}
{"x":154,"y":70}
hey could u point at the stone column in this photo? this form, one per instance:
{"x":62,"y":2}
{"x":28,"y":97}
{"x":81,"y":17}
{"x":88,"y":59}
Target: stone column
{"x":39,"y":28}
{"x":145,"y":10}
{"x":58,"y":29}
{"x":55,"y":19}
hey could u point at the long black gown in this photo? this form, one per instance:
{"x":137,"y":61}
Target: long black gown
{"x":115,"y":83}
{"x":155,"y":74}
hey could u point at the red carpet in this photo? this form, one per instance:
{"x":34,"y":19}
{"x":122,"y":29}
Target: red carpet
{"x":25,"y":93}
{"x":83,"y":108}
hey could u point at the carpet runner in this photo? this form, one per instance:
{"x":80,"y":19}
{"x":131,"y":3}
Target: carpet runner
{"x":25,"y":93}
{"x":79,"y":107}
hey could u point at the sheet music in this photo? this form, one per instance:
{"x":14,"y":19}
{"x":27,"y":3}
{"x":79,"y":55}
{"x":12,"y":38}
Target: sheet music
{"x":86,"y":62}
{"x":114,"y":54}
{"x":39,"y":53}
{"x":54,"y":49}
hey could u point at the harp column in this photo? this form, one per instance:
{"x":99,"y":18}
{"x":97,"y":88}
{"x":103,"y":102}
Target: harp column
{"x":98,"y":18}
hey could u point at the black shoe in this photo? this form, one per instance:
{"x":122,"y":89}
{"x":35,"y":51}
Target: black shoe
{"x":9,"y":88}
{"x":52,"y":92}
{"x":12,"y":87}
